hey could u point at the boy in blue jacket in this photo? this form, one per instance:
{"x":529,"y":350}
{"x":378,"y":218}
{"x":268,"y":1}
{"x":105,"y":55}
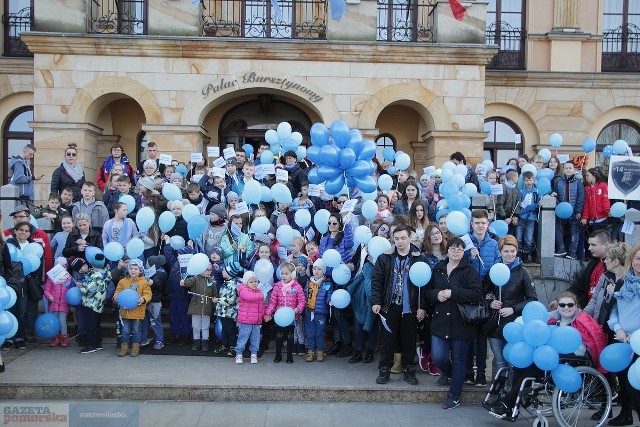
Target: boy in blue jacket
{"x":569,"y":189}
{"x":529,"y":202}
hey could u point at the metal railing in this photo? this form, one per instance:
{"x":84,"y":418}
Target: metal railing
{"x":14,"y":25}
{"x":406,"y":20}
{"x":118,"y":16}
{"x":511,"y":44}
{"x":621,"y":49}
{"x":291,"y":19}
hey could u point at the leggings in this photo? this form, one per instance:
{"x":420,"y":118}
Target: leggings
{"x":200,"y":325}
{"x":62,"y":315}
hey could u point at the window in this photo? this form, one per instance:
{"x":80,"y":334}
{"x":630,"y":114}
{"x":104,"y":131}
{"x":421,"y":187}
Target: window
{"x":16,"y":134}
{"x":621,"y":41}
{"x":18,"y":18}
{"x":406,"y":20}
{"x":506,"y":28}
{"x":619,"y":129}
{"x":142,"y":146}
{"x":118,"y":16}
{"x":383,"y":141}
{"x":500,"y":145}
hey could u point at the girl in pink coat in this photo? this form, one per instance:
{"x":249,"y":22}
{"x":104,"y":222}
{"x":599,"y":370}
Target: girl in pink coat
{"x":286,"y":293}
{"x":56,"y":295}
{"x":250,"y":314}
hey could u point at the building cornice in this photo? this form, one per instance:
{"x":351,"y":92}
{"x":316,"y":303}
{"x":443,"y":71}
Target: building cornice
{"x":268,"y":49}
{"x":562,"y":79}
{"x":10,"y":65}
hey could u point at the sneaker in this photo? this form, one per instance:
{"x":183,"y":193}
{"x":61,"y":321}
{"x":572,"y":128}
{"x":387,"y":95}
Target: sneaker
{"x":20,"y":344}
{"x":146,"y":343}
{"x":499,"y":410}
{"x":443,"y":380}
{"x":469,"y":379}
{"x":434,"y":370}
{"x":368,"y":357}
{"x":560,"y":254}
{"x":409,"y":375}
{"x":88,"y":349}
{"x":7,"y":345}
{"x":570,"y":256}
{"x":254,"y":359}
{"x":451,"y":403}
{"x":99,"y":347}
{"x":383,"y":376}
{"x":357,"y":357}
{"x":481,"y":380}
{"x":158,"y":346}
{"x":239,"y":359}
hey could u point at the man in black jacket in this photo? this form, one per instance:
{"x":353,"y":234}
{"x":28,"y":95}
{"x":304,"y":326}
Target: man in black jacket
{"x":396,"y":299}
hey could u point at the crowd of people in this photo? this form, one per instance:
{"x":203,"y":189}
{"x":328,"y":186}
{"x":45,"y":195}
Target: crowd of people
{"x":387,"y":311}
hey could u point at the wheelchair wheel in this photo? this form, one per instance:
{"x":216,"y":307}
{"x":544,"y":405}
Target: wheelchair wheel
{"x":540,"y":422}
{"x":576,"y":409}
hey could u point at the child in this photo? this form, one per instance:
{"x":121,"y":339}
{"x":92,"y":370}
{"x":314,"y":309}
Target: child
{"x":52,"y":211}
{"x":248,"y":171}
{"x":216,"y":228}
{"x":231,"y":177}
{"x":528,"y":215}
{"x":204,"y":297}
{"x":131,"y":320}
{"x":508,"y":203}
{"x":119,"y":228}
{"x":235,"y":244}
{"x":286,"y":293}
{"x":95,"y":208}
{"x":196,"y":198}
{"x":110,"y":190}
{"x":180,"y":229}
{"x":94,"y":291}
{"x":227,"y":308}
{"x":214,"y":189}
{"x":492,"y":179}
{"x":55,"y":293}
{"x":300,"y":263}
{"x":218,"y":266}
{"x":152,"y":319}
{"x":66,"y":198}
{"x":124,"y":188}
{"x":168,"y":171}
{"x":179,"y":323}
{"x":295,"y":248}
{"x":59,"y":240}
{"x":232,"y":201}
{"x":569,"y":189}
{"x":318,"y":293}
{"x":250,"y":314}
{"x":312,"y":250}
{"x":383,"y":207}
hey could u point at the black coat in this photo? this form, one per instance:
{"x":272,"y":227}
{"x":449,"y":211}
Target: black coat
{"x":61,"y":179}
{"x":382,"y":280}
{"x":71,"y":247}
{"x":466,"y":287}
{"x":580,"y":286}
{"x":180,"y":229}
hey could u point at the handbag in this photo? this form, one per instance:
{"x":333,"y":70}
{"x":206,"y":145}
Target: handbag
{"x":490,"y":325}
{"x":474,"y":313}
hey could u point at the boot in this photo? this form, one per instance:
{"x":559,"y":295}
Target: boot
{"x":64,"y":340}
{"x":310,"y":354}
{"x":397,"y":364}
{"x":346,"y":351}
{"x":278,"y":357}
{"x":196,"y":345}
{"x":290,"y":349}
{"x":124,"y":348}
{"x":205,"y":345}
{"x":184,"y":339}
{"x":55,"y":341}
{"x":410,"y":375}
{"x":135,"y":349}
{"x":320,"y":355}
{"x":383,"y":376}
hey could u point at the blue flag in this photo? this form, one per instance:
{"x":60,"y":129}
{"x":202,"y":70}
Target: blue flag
{"x":277,"y":10}
{"x":338,"y":8}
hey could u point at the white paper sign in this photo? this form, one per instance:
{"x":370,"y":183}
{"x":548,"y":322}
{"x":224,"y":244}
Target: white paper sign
{"x":213,"y":151}
{"x":481,"y":169}
{"x":429,"y":170}
{"x":58,"y":272}
{"x":219,"y":162}
{"x":184,"y":260}
{"x":282,"y":175}
{"x":258,"y":172}
{"x":242,"y":208}
{"x":314,"y":190}
{"x":269,"y":169}
{"x":218,"y":172}
{"x":229,"y":153}
{"x":517,"y":139}
{"x":196,"y":157}
{"x":468,"y":244}
{"x":496,"y":190}
{"x":627,"y":227}
{"x":349,"y":206}
{"x":310,"y":234}
{"x":282,"y":252}
{"x":149,"y":272}
{"x":196,"y":178}
{"x":165,"y":159}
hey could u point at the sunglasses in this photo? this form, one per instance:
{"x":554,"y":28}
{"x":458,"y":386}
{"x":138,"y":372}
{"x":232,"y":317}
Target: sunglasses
{"x":340,"y":202}
{"x":563,"y":305}
{"x":71,"y":154}
{"x":334,"y":223}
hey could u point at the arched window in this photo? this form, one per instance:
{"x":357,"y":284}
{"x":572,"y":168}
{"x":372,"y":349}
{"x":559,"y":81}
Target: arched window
{"x":383,"y":141}
{"x":619,"y":129}
{"x":504,"y":141}
{"x":506,"y":28}
{"x":16,"y":134}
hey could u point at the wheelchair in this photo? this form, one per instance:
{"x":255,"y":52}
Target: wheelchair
{"x":538,"y":398}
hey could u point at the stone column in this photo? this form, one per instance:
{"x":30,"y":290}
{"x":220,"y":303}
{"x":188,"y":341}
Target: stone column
{"x":179,"y":141}
{"x":440,"y":144}
{"x":419,"y":160}
{"x":545,"y":240}
{"x":566,"y":15}
{"x":8,"y":201}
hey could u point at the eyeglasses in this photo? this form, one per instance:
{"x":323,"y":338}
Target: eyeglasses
{"x":456,"y":249}
{"x":436,"y":234}
{"x":569,"y":304}
{"x":71,"y":154}
{"x":334,"y":223}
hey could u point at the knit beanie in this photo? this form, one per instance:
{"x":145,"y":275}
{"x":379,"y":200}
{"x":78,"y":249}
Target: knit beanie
{"x":319,"y":263}
{"x":77,"y":264}
{"x":176,"y":176}
{"x":220,"y":210}
{"x":247,"y":276}
{"x":232,"y":195}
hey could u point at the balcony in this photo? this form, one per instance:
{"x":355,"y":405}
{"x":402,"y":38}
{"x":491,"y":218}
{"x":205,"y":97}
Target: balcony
{"x":406,"y":20}
{"x":621,"y":49}
{"x":511,"y":44}
{"x":118,"y":16}
{"x":14,"y":25}
{"x":292,"y":19}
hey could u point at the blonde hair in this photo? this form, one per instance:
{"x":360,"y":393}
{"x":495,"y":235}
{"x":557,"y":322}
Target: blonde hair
{"x":508,"y":240}
{"x":632,"y":253}
{"x":567,"y":294}
{"x":299,"y":240}
{"x":83,"y":216}
{"x":617,"y":251}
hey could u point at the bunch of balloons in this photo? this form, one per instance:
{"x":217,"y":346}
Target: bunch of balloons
{"x":280,"y":141}
{"x":531,"y":340}
{"x":30,"y":256}
{"x":341,"y":157}
{"x":8,"y":322}
{"x":617,"y":357}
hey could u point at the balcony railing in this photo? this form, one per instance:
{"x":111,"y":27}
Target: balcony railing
{"x":118,"y":16}
{"x":292,"y":19}
{"x":14,"y":25}
{"x":406,"y":20}
{"x":621,"y":49}
{"x":511,"y":44}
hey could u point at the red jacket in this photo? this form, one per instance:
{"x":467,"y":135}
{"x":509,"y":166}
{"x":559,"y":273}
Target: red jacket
{"x":251,"y":307}
{"x":593,"y":337}
{"x":596,"y":202}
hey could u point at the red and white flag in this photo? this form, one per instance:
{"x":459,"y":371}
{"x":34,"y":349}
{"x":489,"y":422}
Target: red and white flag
{"x":458,"y":9}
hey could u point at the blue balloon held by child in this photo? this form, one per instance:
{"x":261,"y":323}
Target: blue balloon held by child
{"x":47,"y":326}
{"x":128,"y":299}
{"x":74,"y":296}
{"x":284,"y":316}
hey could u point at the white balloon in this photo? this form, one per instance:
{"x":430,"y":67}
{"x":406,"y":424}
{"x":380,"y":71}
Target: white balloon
{"x":460,"y":170}
{"x":448,"y":165}
{"x":284,"y":130}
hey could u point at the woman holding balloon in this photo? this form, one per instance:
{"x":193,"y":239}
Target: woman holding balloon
{"x":81,"y":236}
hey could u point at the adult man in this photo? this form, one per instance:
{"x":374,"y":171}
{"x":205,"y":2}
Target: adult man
{"x":152,"y":154}
{"x":241,"y":156}
{"x":21,"y":172}
{"x":395,"y":297}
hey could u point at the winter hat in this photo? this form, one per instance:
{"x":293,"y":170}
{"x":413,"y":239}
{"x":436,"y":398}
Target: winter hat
{"x":98,"y":260}
{"x":247,"y":276}
{"x":61,"y":261}
{"x":232,"y":195}
{"x":77,"y":264}
{"x":175,"y":203}
{"x":186,"y":250}
{"x":137,"y":263}
{"x":233,"y":269}
{"x":147,"y":182}
{"x":220,"y":210}
{"x":320,"y":264}
{"x":262,"y":238}
{"x":149,"y":164}
{"x":303,"y":260}
{"x":217,"y":251}
{"x":156,"y":261}
{"x":232,"y":162}
{"x":424,"y":178}
{"x":176,"y":176}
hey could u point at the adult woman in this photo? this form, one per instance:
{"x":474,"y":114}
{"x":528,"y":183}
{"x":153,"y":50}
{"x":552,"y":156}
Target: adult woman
{"x":434,"y":245}
{"x":342,"y":241}
{"x":595,"y":210}
{"x":69,"y":174}
{"x":511,"y":298}
{"x":418,"y":221}
{"x":117,"y":157}
{"x":624,"y":321}
{"x":522,"y":160}
{"x":454,"y":280}
{"x":81,"y":236}
{"x":410,"y":195}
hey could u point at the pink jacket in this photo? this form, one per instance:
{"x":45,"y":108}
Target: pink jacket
{"x":58,"y":293}
{"x":294,"y":299}
{"x":251,"y":307}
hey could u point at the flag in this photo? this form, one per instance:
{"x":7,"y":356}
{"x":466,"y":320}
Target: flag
{"x":338,"y":8}
{"x":276,"y":9}
{"x":458,"y":9}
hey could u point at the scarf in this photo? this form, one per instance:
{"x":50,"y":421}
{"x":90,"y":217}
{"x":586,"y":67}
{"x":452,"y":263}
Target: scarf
{"x":509,"y":185}
{"x":75,"y":173}
{"x":235,"y":231}
{"x":630,"y":289}
{"x":286,"y":288}
{"x":290,"y":167}
{"x":313,"y":287}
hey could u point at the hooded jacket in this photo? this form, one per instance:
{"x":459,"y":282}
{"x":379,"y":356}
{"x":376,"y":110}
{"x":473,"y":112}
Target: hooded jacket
{"x":95,"y":208}
{"x":571,"y":190}
{"x":251,"y":306}
{"x":199,"y":305}
{"x":21,"y":176}
{"x":142,"y":288}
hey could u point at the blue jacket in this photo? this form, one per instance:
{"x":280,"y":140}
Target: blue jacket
{"x":489,"y":252}
{"x":529,"y":208}
{"x":323,"y":297}
{"x":571,"y":190}
{"x":360,"y":291}
{"x":21,"y":176}
{"x":345,"y":246}
{"x":174,"y":290}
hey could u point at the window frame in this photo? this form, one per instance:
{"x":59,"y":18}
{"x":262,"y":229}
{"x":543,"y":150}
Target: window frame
{"x":8,"y":135}
{"x":494,"y":146}
{"x":393,"y":145}
{"x":628,"y":33}
{"x":599,"y":157}
{"x":507,"y":59}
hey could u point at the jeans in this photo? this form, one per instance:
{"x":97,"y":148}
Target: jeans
{"x":574,"y":229}
{"x":152,"y":321}
{"x":372,"y":336}
{"x":179,"y":323}
{"x":200,"y":324}
{"x":497,"y":346}
{"x":454,"y":368}
{"x":131,"y":327}
{"x":315,"y":326}
{"x":249,"y":333}
{"x":524,"y":234}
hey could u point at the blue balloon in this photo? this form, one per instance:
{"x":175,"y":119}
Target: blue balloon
{"x":313,"y":153}
{"x":499,"y":273}
{"x":302,"y":218}
{"x":252,"y":192}
{"x":13,"y":331}
{"x":6,"y":323}
{"x":392,"y":170}
{"x":403,"y":161}
{"x":146,"y":216}
{"x":334,"y":185}
{"x":182,"y":170}
{"x":455,"y":202}
{"x":377,"y":246}
{"x":284,"y":234}
{"x":616,"y":357}
{"x":128,"y":200}
{"x":545,"y":153}
{"x":319,"y":135}
{"x":555,"y":140}
{"x":330,"y":156}
{"x":90,"y":254}
{"x":3,"y":284}
{"x":362,"y":235}
{"x":564,"y":210}
{"x":266,"y":193}
{"x":321,"y":220}
{"x":128,"y":299}
{"x":500,"y":228}
{"x":369,"y":210}
{"x":341,"y":275}
{"x":566,"y":378}
{"x":218,"y":328}
{"x":607,"y":151}
{"x":634,"y":375}
{"x":33,"y":248}
{"x":546,"y":358}
{"x":262,"y":225}
{"x":166,"y":221}
{"x":332,"y":258}
{"x":588,"y":145}
{"x":266,"y":158}
{"x":248,"y":149}
{"x":74,"y":296}
{"x":388,"y":154}
{"x":197,"y":264}
{"x":457,"y":223}
{"x":536,"y":332}
{"x":385,"y":182}
{"x":339,"y":132}
{"x":521,"y":355}
{"x":366,"y":184}
{"x":565,"y":339}
{"x":420,"y":274}
{"x":14,"y":252}
{"x":485,"y":188}
{"x":27,"y":266}
{"x":544,"y":186}
{"x":448,"y":189}
{"x":618,"y":210}
{"x":513,"y":332}
{"x":284,"y":316}
{"x":367,"y":151}
{"x":196,"y":227}
{"x":177,"y":242}
{"x":359,"y":169}
{"x":506,"y":351}
{"x":620,"y":147}
{"x":534,"y":310}
{"x":33,"y":263}
{"x":171,"y":192}
{"x":47,"y":326}
{"x":135,"y":248}
{"x":281,"y":193}
{"x":301,"y":152}
{"x":545,"y":173}
{"x":13,"y":298}
{"x":340,"y":298}
{"x":347,"y":158}
{"x":470,"y":190}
